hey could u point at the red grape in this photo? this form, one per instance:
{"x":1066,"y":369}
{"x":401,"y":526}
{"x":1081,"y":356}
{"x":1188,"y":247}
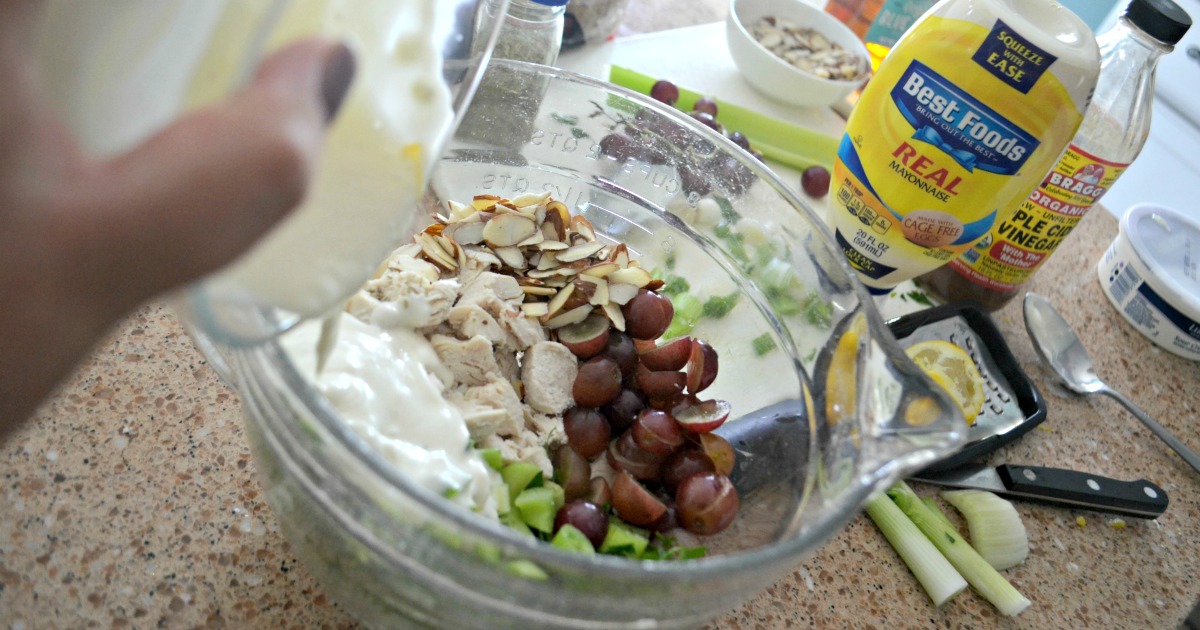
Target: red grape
{"x":585,"y":516}
{"x":664,"y":92}
{"x":625,"y":454}
{"x":670,"y":356}
{"x":701,"y":366}
{"x":706,"y":105}
{"x":660,"y":386}
{"x":657,"y":432}
{"x":684,"y":463}
{"x":719,"y":451}
{"x":623,"y":410}
{"x":600,"y":493}
{"x":815,"y":181}
{"x":598,"y":382}
{"x":740,"y":140}
{"x":587,"y":431}
{"x":647,"y":315}
{"x":620,"y":348}
{"x":573,"y":472}
{"x":618,"y":147}
{"x":706,"y":503}
{"x":707,"y":120}
{"x":634,"y":503}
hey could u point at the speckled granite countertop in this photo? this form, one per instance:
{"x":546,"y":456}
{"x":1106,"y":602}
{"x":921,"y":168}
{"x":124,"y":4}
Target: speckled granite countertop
{"x":130,"y":501}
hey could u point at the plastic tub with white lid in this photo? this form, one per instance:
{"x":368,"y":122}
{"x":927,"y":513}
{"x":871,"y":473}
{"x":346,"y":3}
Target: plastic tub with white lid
{"x":1151,"y":274}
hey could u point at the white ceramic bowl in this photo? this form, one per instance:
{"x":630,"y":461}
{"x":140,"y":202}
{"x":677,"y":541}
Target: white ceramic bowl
{"x":772,"y":75}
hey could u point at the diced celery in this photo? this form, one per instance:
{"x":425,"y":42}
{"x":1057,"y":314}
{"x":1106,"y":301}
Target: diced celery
{"x":569,"y":538}
{"x":537,"y":508}
{"x":624,"y":539}
{"x":520,"y":475}
{"x":492,"y":457}
{"x":688,"y":309}
{"x":719,"y":306}
{"x":526,"y":569}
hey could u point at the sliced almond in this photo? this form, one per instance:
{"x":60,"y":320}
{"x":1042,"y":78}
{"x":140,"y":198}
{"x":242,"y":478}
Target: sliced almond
{"x":484,"y":256}
{"x":600,"y":296}
{"x":549,"y":245}
{"x":434,"y":228}
{"x":619,"y":254}
{"x":558,"y":215}
{"x":530,"y":199}
{"x":601,"y":269}
{"x":587,"y":286}
{"x":566,"y":318}
{"x":620,"y":293}
{"x":583,"y":227}
{"x":547,"y":261}
{"x":465,"y":232}
{"x":560,"y":298}
{"x":613,"y":311}
{"x":534,"y":309}
{"x":485,"y":202}
{"x":655,"y":284}
{"x":434,"y":252}
{"x":460,"y":213}
{"x":539,"y":274}
{"x":580,"y":251}
{"x":539,"y":291}
{"x":510,"y":256}
{"x":636,"y":276}
{"x":533,"y":239}
{"x":506,"y":230}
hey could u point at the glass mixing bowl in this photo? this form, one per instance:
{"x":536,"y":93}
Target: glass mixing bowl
{"x":827,"y":408}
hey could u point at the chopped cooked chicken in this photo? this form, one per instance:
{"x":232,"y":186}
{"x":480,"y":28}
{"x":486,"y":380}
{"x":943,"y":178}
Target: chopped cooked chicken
{"x":548,"y":372}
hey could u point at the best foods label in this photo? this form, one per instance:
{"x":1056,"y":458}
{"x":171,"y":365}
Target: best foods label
{"x":950,"y":135}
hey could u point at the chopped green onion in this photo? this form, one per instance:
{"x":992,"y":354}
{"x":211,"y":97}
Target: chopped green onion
{"x":719,"y":306}
{"x":763,"y":344}
{"x":817,"y":311}
{"x":928,"y":565}
{"x":777,"y":275}
{"x":996,"y":530}
{"x":978,"y":573}
{"x":675,"y":285}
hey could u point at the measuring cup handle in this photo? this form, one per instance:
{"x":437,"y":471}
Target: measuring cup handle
{"x":1186,"y":453}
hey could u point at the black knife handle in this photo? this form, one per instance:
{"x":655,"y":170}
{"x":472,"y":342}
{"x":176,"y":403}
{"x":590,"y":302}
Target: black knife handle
{"x":1135,"y":498}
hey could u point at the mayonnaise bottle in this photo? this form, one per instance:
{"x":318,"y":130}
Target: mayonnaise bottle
{"x":968,"y":111}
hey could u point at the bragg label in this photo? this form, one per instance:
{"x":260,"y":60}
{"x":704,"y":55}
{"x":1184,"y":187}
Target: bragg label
{"x":1013,"y":251}
{"x":956,"y":127}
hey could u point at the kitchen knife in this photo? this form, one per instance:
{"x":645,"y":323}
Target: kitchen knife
{"x":1056,"y":486}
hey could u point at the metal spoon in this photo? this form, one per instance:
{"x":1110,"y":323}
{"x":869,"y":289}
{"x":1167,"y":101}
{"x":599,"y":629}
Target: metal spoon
{"x":1059,"y":347}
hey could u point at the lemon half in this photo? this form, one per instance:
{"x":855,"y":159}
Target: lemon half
{"x":953,"y":369}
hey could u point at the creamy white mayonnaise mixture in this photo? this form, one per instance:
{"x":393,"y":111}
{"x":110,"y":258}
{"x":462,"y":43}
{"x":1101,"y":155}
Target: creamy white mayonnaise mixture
{"x":386,"y":386}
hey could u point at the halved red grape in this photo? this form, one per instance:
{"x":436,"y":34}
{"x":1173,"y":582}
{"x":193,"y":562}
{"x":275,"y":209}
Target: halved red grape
{"x":657,"y":432}
{"x":664,"y":92}
{"x":719,"y":451}
{"x":634,"y":503}
{"x":623,"y":410}
{"x":671,"y":356}
{"x":701,"y":417}
{"x":624,"y":454}
{"x":620,"y":348}
{"x":587,"y":431}
{"x":598,"y":382}
{"x":701,"y":366}
{"x":647,"y":315}
{"x":706,"y":503}
{"x":815,"y":181}
{"x":667,"y":522}
{"x":600,"y":493}
{"x":573,"y":472}
{"x":585,"y":516}
{"x":586,"y":338}
{"x":660,"y":385}
{"x":684,"y":463}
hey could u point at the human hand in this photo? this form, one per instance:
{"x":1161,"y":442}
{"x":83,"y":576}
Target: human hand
{"x":84,"y":241}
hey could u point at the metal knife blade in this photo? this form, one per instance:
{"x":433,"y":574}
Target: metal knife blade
{"x":1056,"y":486}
